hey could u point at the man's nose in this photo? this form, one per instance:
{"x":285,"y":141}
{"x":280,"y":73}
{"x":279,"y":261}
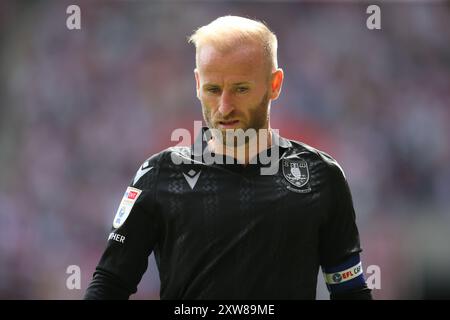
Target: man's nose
{"x":226,"y":103}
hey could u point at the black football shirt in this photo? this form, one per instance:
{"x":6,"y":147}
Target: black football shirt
{"x":226,"y":231}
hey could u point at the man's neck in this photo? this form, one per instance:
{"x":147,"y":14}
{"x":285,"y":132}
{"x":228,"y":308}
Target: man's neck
{"x":246,"y":152}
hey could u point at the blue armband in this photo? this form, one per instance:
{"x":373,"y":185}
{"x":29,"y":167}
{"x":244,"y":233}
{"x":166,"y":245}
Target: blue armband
{"x":347,"y":276}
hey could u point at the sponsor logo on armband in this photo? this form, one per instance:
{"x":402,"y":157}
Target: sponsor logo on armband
{"x":345,"y":275}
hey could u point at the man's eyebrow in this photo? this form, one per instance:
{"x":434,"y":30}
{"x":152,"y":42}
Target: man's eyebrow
{"x":210,"y":85}
{"x":241,"y":83}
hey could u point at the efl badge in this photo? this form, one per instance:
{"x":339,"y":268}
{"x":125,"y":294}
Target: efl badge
{"x":128,"y":200}
{"x":296,"y":171}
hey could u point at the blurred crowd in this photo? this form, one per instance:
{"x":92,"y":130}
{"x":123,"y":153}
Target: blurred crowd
{"x":80,"y":110}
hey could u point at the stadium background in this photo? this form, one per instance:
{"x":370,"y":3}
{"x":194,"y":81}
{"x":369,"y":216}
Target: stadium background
{"x":80,"y":110}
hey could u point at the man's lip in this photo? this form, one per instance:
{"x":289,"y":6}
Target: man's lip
{"x":228,"y":122}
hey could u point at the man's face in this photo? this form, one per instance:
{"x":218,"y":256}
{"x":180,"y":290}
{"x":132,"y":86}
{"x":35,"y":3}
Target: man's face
{"x":234,"y":87}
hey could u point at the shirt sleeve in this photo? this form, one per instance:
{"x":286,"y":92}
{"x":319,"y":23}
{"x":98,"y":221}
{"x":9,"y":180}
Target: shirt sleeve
{"x":339,"y":240}
{"x":339,"y":237}
{"x":132,"y":238}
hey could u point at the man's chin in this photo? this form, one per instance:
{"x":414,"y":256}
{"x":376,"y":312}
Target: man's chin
{"x":236,"y":137}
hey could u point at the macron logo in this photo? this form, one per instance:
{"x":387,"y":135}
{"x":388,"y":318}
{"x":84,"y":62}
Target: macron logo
{"x":192,"y":177}
{"x":142,"y":170}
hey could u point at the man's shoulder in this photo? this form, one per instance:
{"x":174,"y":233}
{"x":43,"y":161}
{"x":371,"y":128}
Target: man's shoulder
{"x":168,"y":154}
{"x":151,"y":166}
{"x":316,"y":156}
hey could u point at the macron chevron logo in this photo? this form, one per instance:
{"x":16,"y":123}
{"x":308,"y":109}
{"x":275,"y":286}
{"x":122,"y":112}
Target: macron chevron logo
{"x":142,"y":170}
{"x":192,"y":177}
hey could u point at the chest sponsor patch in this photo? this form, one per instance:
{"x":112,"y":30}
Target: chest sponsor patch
{"x":128,"y":200}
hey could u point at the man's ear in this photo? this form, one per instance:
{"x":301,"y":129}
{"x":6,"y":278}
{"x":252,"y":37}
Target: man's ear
{"x":276,"y":83}
{"x":197,"y":82}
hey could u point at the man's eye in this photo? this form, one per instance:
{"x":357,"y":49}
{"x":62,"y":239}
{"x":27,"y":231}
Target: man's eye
{"x":213,"y":90}
{"x":241,"y":89}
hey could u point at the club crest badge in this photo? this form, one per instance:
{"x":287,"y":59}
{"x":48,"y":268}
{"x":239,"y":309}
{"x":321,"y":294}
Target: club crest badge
{"x":296,"y":172}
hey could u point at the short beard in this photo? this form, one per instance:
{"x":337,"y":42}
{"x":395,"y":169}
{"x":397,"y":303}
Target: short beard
{"x":258,"y":121}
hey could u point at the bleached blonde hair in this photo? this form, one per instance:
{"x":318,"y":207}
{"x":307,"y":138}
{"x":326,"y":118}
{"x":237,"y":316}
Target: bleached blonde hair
{"x":227,"y":32}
